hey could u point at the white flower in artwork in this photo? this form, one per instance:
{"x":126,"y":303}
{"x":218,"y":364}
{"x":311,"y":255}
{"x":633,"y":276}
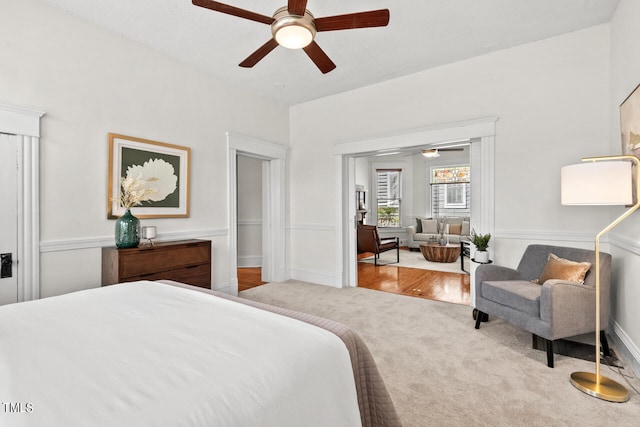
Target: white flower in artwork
{"x":159,"y":177}
{"x":133,"y":191}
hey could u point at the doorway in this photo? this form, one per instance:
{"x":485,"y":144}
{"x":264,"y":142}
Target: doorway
{"x":481,"y":132}
{"x":399,"y":186}
{"x":250,"y":226}
{"x":273,"y":159}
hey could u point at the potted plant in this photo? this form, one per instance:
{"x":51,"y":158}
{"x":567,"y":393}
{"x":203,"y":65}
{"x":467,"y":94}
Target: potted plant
{"x":481,"y":242}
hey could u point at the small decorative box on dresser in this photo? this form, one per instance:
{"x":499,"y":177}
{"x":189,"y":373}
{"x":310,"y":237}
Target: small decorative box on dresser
{"x":187,"y":261}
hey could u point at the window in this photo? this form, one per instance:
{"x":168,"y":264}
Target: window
{"x":450,"y":191}
{"x":388,"y":183}
{"x":455,"y":196}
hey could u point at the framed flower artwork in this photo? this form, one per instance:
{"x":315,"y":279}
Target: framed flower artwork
{"x":630,"y":129}
{"x":630,"y":123}
{"x":163,"y":170}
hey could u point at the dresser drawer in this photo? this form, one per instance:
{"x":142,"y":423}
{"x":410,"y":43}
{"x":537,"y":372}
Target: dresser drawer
{"x":187,"y":261}
{"x":162,"y":259}
{"x":198,"y":275}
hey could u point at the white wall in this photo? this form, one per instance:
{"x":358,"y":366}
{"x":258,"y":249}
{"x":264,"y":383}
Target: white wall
{"x":249,"y":211}
{"x":89,"y":82}
{"x":551,"y":98}
{"x":625,"y":246}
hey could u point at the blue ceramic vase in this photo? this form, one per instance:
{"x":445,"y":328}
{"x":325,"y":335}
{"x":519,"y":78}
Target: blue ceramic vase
{"x":127,"y":231}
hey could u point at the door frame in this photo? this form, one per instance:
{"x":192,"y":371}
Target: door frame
{"x":480,"y":131}
{"x":25,"y":124}
{"x":274,"y":158}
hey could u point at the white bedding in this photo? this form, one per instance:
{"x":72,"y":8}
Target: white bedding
{"x":148,"y":354}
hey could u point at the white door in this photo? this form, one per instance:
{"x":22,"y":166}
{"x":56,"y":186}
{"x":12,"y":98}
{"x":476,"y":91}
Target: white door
{"x":8,"y":218}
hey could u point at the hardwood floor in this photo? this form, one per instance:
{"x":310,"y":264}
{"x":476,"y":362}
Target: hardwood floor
{"x":434,"y":285}
{"x":249,"y":278}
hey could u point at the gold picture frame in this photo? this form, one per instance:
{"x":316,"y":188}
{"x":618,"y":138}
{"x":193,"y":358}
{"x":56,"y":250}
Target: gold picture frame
{"x":630,"y":123}
{"x":126,"y":152}
{"x":630,"y":129}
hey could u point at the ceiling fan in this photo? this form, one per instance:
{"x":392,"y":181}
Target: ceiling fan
{"x":294,"y":27}
{"x":435,"y":152}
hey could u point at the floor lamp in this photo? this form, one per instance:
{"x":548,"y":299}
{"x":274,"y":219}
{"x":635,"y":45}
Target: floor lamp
{"x":601,"y":181}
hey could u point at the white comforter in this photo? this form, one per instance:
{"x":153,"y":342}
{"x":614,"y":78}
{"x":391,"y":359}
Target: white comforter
{"x":148,"y":354}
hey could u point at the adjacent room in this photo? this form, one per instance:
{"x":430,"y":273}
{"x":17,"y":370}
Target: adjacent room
{"x":319,"y":213}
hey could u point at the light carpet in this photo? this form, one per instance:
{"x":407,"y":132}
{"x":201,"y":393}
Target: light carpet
{"x":440,"y":371}
{"x":412,"y":259}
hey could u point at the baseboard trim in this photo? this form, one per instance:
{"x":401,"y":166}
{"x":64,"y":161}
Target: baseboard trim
{"x":317,"y":277}
{"x":625,"y":346}
{"x":632,"y":246}
{"x":225,"y":288}
{"x":249,"y":261}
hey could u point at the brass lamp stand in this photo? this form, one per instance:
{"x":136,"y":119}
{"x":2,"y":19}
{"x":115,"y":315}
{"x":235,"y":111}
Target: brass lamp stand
{"x":585,"y":185}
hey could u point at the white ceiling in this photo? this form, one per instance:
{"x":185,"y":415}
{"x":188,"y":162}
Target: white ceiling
{"x":421,"y":34}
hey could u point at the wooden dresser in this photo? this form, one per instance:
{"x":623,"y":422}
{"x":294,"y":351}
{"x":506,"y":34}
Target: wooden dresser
{"x":187,"y":261}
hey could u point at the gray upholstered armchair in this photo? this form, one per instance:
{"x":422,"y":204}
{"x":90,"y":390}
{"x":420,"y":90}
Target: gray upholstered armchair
{"x":552,"y":310}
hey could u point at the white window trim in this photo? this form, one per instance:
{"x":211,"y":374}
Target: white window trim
{"x":405,"y":174}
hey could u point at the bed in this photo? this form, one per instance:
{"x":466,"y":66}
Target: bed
{"x":167,"y":354}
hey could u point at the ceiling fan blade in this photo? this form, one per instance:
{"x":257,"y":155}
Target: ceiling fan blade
{"x":374,"y":18}
{"x":297,"y":7}
{"x":235,"y":11}
{"x":256,"y":56}
{"x":319,"y":58}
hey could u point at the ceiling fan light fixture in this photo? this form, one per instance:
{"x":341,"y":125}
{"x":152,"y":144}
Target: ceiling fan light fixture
{"x":293,"y":31}
{"x":431,"y":153}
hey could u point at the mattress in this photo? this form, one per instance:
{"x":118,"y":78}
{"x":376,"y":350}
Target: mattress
{"x":149,"y":354}
{"x":376,"y":407}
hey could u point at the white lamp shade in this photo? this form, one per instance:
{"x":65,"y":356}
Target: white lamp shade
{"x":294,"y":37}
{"x":597,"y":183}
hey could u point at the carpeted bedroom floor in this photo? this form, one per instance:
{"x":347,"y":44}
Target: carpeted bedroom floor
{"x":441,"y":371}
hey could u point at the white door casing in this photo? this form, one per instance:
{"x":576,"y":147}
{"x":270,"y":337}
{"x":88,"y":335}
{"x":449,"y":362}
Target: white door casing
{"x":273,"y":213}
{"x":9,"y":214}
{"x":25,"y":126}
{"x":481,"y":131}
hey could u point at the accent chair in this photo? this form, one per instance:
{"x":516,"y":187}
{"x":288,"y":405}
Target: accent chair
{"x":369,"y":241}
{"x":559,"y":307}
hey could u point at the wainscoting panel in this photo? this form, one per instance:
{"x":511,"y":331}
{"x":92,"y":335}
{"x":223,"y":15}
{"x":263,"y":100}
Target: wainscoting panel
{"x":314,"y":260}
{"x":249,"y":243}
